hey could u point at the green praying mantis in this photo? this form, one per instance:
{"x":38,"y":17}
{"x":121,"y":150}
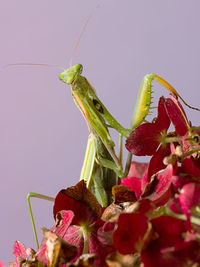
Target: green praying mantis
{"x":102,"y":168}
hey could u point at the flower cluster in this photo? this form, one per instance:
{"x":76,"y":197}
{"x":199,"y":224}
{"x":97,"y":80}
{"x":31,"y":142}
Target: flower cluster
{"x":154,"y":219}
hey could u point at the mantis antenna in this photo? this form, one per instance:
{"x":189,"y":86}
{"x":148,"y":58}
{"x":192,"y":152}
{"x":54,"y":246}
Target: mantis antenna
{"x":35,"y":64}
{"x":81,"y":35}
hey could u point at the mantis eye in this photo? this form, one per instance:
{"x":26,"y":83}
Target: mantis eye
{"x":196,"y":139}
{"x":98,"y":106}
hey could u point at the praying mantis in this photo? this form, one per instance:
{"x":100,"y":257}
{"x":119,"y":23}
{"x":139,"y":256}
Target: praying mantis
{"x":102,"y":168}
{"x":101,"y":165}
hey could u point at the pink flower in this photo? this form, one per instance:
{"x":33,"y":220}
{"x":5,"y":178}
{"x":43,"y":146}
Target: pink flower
{"x":19,"y":252}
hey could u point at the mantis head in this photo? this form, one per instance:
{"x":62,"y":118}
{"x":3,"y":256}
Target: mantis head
{"x":69,"y":75}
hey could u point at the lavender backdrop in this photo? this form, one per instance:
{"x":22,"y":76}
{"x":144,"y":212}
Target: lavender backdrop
{"x":43,"y":136}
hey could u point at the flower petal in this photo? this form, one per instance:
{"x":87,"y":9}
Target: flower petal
{"x":191,"y":166}
{"x":156,"y":163}
{"x":186,"y":200}
{"x":80,"y":200}
{"x":144,"y":140}
{"x":134,"y":184}
{"x":138,"y":169}
{"x":177,"y":115}
{"x":129,"y":236}
{"x":19,"y":252}
{"x":162,"y":120}
{"x":169,"y":229}
{"x":161,"y":189}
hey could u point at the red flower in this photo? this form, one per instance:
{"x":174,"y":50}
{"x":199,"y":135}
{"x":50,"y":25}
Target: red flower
{"x":160,"y":192}
{"x":158,"y":189}
{"x":81,"y":225}
{"x":161,"y":241}
{"x":138,"y":221}
{"x":132,"y":233}
{"x":191,"y":166}
{"x":156,"y":162}
{"x":135,"y":176}
{"x":138,"y":169}
{"x":188,"y":197}
{"x":145,"y":139}
{"x":171,"y":246}
{"x":134,"y":184}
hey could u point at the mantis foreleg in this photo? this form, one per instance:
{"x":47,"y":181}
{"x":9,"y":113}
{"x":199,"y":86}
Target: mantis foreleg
{"x":144,"y":98}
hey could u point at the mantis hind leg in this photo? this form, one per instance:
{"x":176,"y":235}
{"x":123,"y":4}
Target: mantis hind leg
{"x":29,"y":196}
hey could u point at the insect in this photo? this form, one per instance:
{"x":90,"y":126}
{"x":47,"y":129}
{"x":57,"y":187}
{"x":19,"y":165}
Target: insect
{"x":101,"y":165}
{"x":102,"y":168}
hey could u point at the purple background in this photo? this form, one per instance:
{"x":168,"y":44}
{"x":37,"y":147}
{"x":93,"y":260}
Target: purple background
{"x":43,"y":136}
